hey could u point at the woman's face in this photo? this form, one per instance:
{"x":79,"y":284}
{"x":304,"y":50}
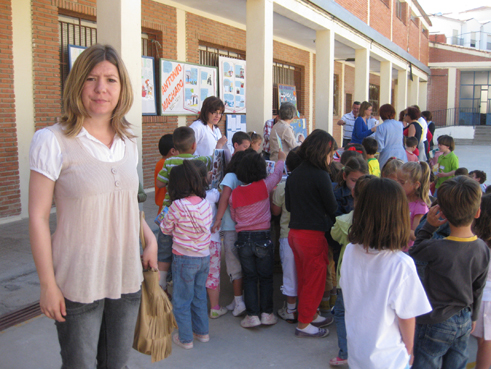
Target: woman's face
{"x":101,"y":90}
{"x":214,"y":118}
{"x":368,"y":112}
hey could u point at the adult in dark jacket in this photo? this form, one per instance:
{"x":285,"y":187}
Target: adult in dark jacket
{"x":309,"y":198}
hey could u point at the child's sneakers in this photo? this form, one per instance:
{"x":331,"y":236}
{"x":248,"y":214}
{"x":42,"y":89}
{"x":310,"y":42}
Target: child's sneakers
{"x":239,"y":309}
{"x":268,"y":319}
{"x":338,"y":361}
{"x":202,"y":337}
{"x":217,"y":313}
{"x":288,"y":316}
{"x":186,"y":346}
{"x":231,"y":306}
{"x":250,"y":321}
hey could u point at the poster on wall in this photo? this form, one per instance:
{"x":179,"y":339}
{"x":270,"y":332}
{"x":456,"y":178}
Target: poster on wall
{"x":73,"y":52}
{"x":232,"y":77}
{"x":149,"y":102}
{"x":184,"y":87}
{"x":287,"y":93}
{"x":234,"y":123}
{"x":299,"y":128}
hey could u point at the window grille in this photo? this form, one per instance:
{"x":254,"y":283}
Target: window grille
{"x":374,"y":97}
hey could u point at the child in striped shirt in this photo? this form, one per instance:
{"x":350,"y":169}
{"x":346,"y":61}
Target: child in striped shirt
{"x":189,"y":222}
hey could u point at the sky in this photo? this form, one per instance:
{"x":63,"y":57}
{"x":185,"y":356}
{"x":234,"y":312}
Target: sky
{"x":448,"y":6}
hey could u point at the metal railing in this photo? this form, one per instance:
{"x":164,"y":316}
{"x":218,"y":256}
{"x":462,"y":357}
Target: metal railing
{"x":456,"y":117}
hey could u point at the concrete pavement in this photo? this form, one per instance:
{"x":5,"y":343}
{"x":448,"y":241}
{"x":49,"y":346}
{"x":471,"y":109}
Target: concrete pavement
{"x":33,"y":344}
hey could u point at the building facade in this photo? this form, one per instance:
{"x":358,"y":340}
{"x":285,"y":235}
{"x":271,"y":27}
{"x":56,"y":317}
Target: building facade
{"x":333,"y":52}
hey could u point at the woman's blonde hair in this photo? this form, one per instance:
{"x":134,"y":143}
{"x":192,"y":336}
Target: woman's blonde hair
{"x":419,"y":172}
{"x":74,"y":110}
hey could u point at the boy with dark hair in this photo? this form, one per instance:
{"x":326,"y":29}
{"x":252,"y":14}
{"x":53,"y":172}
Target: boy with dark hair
{"x":185,"y":143}
{"x":411,"y":146}
{"x":370,"y":144}
{"x":454,"y":277}
{"x":166,"y":149}
{"x":461,"y":172}
{"x":480,"y":177}
{"x":448,"y":162}
{"x":241,"y":141}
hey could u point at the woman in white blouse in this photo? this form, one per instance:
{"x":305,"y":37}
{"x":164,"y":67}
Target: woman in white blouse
{"x":90,"y":270}
{"x":206,"y":127}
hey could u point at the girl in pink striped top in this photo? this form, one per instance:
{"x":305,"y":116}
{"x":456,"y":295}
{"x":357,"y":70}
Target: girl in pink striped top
{"x":189,"y":222}
{"x":250,"y":208}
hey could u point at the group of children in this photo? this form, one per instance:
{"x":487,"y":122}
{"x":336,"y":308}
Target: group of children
{"x":398,"y":258}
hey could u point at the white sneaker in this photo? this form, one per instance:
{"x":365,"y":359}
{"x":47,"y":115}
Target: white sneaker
{"x":239,"y":309}
{"x":250,"y":321}
{"x":268,"y":319}
{"x":231,"y":306}
{"x":214,"y":314}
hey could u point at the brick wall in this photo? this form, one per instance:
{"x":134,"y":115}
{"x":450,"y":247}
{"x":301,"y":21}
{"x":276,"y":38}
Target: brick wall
{"x":459,"y":55}
{"x":380,"y":17}
{"x":414,"y":38}
{"x":9,"y":158}
{"x":438,"y":89}
{"x":161,"y":20}
{"x":424,"y":50}
{"x":358,"y":8}
{"x":399,"y":30}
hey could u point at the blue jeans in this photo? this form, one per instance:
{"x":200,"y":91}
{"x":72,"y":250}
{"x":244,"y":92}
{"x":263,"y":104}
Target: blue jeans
{"x":189,"y":297}
{"x":164,"y":244}
{"x":341,"y":326}
{"x":99,"y":333}
{"x":256,"y":255}
{"x":443,"y":345}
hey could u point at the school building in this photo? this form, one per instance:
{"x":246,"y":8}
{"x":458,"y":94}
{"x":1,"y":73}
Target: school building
{"x":333,"y":52}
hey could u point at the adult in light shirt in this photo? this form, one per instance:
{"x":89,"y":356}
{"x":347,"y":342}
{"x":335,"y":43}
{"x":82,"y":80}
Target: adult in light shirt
{"x":348,"y":122}
{"x":90,"y":271}
{"x":424,"y":125}
{"x":284,"y":131}
{"x":206,"y":129}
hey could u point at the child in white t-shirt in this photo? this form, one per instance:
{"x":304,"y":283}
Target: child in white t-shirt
{"x":381,"y":289}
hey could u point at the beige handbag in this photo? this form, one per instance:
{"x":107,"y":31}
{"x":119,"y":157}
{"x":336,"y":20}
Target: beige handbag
{"x":156,"y":321}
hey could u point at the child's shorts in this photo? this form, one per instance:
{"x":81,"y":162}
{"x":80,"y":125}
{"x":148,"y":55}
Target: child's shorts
{"x":234,"y":270}
{"x":164,"y":243}
{"x":483,"y":324}
{"x":289,"y":287}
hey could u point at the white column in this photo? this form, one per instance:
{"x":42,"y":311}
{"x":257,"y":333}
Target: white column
{"x":452,"y":85}
{"x":385,"y":82}
{"x":23,"y":90}
{"x":310,"y":123}
{"x":362,"y":71}
{"x":181,"y":49}
{"x":119,"y":25}
{"x":423,"y":95}
{"x":324,"y":71}
{"x":401,"y":102}
{"x":413,"y":97}
{"x":259,"y":74}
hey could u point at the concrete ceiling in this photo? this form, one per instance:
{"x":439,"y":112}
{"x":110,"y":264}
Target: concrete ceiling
{"x":283,"y":27}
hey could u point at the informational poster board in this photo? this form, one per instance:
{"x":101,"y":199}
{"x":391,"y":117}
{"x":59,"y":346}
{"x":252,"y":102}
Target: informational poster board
{"x":287,"y":93}
{"x":149,"y":102}
{"x":299,"y":128}
{"x":184,"y":87}
{"x":73,"y":52}
{"x":232,"y":77}
{"x":234,"y":123}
